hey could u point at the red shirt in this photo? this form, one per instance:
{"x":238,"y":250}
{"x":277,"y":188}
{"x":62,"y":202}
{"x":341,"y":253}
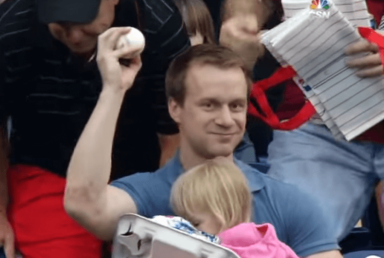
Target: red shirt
{"x":294,"y":98}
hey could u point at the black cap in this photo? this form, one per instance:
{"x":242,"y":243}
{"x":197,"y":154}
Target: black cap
{"x":76,"y":11}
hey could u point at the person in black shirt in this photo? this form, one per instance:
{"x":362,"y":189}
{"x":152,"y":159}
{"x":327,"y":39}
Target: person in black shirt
{"x":49,"y":85}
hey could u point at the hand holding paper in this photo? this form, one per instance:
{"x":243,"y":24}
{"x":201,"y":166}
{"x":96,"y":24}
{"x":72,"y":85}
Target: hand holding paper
{"x":370,"y":65}
{"x":313,"y":42}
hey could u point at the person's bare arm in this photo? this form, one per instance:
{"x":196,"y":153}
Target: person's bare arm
{"x":329,"y":254}
{"x":88,"y":198}
{"x":242,"y":21}
{"x":168,"y":145}
{"x":235,"y":7}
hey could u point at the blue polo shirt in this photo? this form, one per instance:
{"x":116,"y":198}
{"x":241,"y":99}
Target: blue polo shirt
{"x":297,"y":219}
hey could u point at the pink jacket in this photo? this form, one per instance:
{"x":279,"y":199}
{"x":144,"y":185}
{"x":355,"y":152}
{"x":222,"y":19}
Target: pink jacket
{"x":249,"y":240}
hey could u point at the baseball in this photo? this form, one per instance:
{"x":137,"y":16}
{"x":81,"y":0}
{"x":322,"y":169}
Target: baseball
{"x":134,"y":39}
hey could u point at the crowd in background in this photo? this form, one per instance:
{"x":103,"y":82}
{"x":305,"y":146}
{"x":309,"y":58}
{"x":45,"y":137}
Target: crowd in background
{"x":81,"y":134}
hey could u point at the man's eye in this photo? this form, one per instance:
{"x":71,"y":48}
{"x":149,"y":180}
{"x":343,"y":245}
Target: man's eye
{"x":237,"y":107}
{"x":207,"y":105}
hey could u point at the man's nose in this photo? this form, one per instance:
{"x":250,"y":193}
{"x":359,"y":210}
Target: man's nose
{"x":225,"y":118}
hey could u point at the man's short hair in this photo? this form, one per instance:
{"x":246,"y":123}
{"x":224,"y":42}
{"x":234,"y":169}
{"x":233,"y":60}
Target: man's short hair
{"x":205,"y":54}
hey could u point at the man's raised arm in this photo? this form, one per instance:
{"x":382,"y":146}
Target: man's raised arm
{"x":242,"y":21}
{"x":89,"y":199}
{"x":240,"y":7}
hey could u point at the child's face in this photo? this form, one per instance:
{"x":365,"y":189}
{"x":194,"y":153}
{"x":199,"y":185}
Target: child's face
{"x":207,"y":223}
{"x":196,"y":39}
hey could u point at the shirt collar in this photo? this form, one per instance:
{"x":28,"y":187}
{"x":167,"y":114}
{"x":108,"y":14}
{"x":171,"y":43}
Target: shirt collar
{"x":255,"y":177}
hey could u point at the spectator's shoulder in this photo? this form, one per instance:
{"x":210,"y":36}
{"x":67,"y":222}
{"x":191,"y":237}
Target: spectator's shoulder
{"x":306,"y":227}
{"x":157,"y":14}
{"x":161,"y":9}
{"x":17,"y":18}
{"x":164,"y":175}
{"x":162,"y":22}
{"x":288,"y":201}
{"x":287,"y":196}
{"x":150,"y":191}
{"x":299,"y":220}
{"x":16,"y":11}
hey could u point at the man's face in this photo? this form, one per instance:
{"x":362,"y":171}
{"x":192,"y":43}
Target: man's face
{"x":213,"y":117}
{"x":81,"y":39}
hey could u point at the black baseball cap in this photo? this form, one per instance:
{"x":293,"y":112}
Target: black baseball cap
{"x":73,"y":11}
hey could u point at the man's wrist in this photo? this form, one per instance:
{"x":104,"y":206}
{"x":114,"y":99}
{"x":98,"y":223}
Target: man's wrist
{"x":250,"y":64}
{"x":112,"y":92}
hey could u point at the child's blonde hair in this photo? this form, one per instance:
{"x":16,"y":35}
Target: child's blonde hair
{"x":217,"y":187}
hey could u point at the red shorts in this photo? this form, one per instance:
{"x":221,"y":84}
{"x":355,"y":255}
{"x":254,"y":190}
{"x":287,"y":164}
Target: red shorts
{"x":42,"y":227}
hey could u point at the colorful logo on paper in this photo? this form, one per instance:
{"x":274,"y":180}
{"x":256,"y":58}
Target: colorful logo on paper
{"x":320,"y":4}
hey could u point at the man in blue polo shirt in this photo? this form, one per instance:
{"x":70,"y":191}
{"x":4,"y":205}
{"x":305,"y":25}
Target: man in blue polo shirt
{"x":208,"y":88}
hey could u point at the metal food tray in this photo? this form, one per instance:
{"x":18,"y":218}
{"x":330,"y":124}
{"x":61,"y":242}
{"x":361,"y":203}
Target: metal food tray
{"x":137,"y":236}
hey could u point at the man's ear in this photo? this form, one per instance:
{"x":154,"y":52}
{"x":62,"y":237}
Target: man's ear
{"x":174,"y":110}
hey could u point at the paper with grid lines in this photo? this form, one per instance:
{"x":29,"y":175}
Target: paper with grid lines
{"x":314,"y":46}
{"x":356,"y":11}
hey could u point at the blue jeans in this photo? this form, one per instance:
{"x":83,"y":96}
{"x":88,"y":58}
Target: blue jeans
{"x":340,"y":175}
{"x":364,"y":254}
